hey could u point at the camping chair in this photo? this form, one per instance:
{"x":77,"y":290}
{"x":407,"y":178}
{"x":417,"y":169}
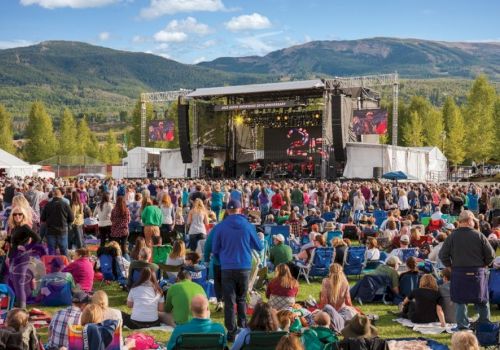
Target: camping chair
{"x":407,"y":283}
{"x":76,"y":341}
{"x":406,"y":253}
{"x":380,"y":216}
{"x":259,"y":340}
{"x":328,"y":216}
{"x":59,"y":293}
{"x":47,"y":260}
{"x":354,"y":260}
{"x":277,"y":229}
{"x":323,"y":258}
{"x":330,"y":235}
{"x":164,"y":269}
{"x":204,"y":341}
{"x":7,"y":297}
{"x":305,"y":268}
{"x":160,"y":253}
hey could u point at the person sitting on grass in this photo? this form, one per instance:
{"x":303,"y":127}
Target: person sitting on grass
{"x":176,"y":257}
{"x":282,"y":289}
{"x":101,"y":298}
{"x":193,"y":267}
{"x":335,"y":293}
{"x":137,"y":266}
{"x":390,"y":269}
{"x":424,"y":304}
{"x":449,"y":307}
{"x":179,"y":298}
{"x":17,"y":332}
{"x":263,"y":319}
{"x":319,"y":335}
{"x":464,"y":340}
{"x":290,"y":342}
{"x":55,"y":277}
{"x":200,"y":323}
{"x":280,"y":253}
{"x":82,"y":270}
{"x":140,"y":243}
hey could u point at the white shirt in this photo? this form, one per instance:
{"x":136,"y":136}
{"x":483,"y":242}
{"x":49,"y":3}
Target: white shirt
{"x":372,"y":254}
{"x":403,"y":203}
{"x":146,"y":302}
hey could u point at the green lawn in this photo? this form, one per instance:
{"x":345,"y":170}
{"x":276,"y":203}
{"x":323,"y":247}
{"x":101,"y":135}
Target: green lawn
{"x":385,"y":326}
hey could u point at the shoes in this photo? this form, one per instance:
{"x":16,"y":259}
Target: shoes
{"x":457,"y":329}
{"x":219,"y":307}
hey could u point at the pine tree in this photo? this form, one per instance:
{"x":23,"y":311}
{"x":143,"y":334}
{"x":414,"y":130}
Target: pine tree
{"x":413,"y":131}
{"x":6,"y":131}
{"x":68,"y":145}
{"x":455,"y":132}
{"x":110,"y":150}
{"x":433,"y":128}
{"x":40,"y":134}
{"x":83,"y":137}
{"x":479,"y":116}
{"x":93,"y":148}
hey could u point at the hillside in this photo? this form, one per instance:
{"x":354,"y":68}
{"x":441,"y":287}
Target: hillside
{"x":83,"y":76}
{"x":412,"y":58}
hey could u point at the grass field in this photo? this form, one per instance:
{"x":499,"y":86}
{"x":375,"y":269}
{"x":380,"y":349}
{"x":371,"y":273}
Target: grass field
{"x":385,"y":326}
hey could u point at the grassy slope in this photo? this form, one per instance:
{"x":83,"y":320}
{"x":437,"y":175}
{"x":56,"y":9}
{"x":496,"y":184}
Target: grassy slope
{"x":385,"y":326}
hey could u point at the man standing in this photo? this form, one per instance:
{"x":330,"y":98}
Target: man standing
{"x":58,"y":216}
{"x":233,"y":241}
{"x":297,"y":198}
{"x":200,"y":323}
{"x":468,"y":253}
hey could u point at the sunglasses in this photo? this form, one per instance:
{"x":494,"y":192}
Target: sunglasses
{"x":17,"y":214}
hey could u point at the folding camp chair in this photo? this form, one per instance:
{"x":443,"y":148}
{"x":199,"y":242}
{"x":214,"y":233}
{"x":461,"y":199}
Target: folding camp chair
{"x":354,"y":260}
{"x":7,"y":297}
{"x":305,"y":268}
{"x":262,"y":340}
{"x":203,"y":341}
{"x":406,"y":253}
{"x":160,"y":253}
{"x":331,"y":235}
{"x":380,"y":216}
{"x":47,"y":260}
{"x":329,"y":216}
{"x":323,"y":258}
{"x":165,"y":269}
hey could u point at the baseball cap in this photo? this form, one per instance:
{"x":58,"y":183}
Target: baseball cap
{"x":279,"y":237}
{"x":81,"y":298}
{"x":234,"y":204}
{"x":404,"y":238}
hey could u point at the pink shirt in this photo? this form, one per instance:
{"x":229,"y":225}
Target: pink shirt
{"x":83,"y":273}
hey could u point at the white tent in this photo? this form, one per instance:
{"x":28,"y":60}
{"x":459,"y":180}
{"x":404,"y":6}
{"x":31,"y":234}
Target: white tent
{"x":137,"y":161}
{"x":423,"y":163}
{"x":14,"y":166}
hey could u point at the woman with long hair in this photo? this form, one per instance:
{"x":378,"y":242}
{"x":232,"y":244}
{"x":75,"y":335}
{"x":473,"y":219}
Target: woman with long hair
{"x":31,"y":217}
{"x":146,"y":301}
{"x":21,"y":235}
{"x":424,"y":304}
{"x":103,"y":214}
{"x":76,"y":229}
{"x":335,"y":292}
{"x":168,"y":211}
{"x":120,"y":219}
{"x":197,"y":220}
{"x":140,"y":243}
{"x":176,"y":257}
{"x":282,"y":289}
{"x":263,"y":319}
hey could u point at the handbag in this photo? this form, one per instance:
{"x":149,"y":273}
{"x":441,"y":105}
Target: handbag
{"x":469,"y":285}
{"x":143,"y":341}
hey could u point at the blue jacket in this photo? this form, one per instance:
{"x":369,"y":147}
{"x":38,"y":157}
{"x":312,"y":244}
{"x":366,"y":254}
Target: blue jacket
{"x":233,"y":241}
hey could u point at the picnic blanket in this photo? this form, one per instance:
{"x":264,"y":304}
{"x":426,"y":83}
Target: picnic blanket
{"x":164,"y":328}
{"x":426,"y":328}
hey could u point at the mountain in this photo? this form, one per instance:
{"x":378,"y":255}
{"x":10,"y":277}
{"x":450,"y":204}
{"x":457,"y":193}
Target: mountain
{"x":82,"y":76}
{"x":412,"y":58}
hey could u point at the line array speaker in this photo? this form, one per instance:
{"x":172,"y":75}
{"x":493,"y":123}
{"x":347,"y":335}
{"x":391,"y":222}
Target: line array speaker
{"x":184,"y":139}
{"x":337,"y":129}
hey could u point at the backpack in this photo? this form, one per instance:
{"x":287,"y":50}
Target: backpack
{"x":143,"y":341}
{"x":494,"y":286}
{"x":311,"y":341}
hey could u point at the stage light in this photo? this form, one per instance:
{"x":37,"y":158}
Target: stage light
{"x":285,"y":117}
{"x":278,"y":118}
{"x":317,"y":115}
{"x":238,"y":120}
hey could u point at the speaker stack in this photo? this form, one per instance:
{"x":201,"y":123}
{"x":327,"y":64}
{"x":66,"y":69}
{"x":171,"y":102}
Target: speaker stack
{"x":184,"y":139}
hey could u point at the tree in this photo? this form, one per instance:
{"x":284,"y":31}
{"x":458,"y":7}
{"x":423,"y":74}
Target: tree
{"x":433,"y":128}
{"x":479,"y":115}
{"x":110,"y":152}
{"x":413,"y":131}
{"x":93,"y":147}
{"x":83,"y":137}
{"x":40,"y":134}
{"x":496,"y":155}
{"x":68,"y":145}
{"x":6,"y":131}
{"x":455,"y":132}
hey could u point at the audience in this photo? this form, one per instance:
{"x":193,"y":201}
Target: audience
{"x":280,"y":253}
{"x":82,"y":270}
{"x":282,"y":289}
{"x":143,"y":262}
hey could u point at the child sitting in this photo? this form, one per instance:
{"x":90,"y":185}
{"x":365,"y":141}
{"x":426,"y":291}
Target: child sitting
{"x":176,"y":257}
{"x":18,"y":332}
{"x":320,"y":333}
{"x":448,"y":305}
{"x":191,"y":264}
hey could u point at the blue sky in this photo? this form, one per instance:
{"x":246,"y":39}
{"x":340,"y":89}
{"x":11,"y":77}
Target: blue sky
{"x":190,"y":31}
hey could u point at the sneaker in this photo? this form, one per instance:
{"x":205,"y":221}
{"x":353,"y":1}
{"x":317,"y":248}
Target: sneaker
{"x":219,"y":307}
{"x":459,"y":329}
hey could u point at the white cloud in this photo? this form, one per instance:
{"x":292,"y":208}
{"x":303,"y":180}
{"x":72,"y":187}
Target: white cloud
{"x":208,"y":43}
{"x":158,"y":8}
{"x":137,"y":39}
{"x":244,"y":22}
{"x":200,"y":59}
{"x":189,"y":25}
{"x":103,"y":36}
{"x":165,"y":36}
{"x":257,"y":44}
{"x":9,"y":44}
{"x":77,"y":4}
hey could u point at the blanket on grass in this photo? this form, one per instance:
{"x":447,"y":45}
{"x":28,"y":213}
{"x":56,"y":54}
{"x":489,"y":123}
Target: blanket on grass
{"x":426,"y":328}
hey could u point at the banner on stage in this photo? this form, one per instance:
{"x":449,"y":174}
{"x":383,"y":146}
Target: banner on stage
{"x":369,"y":121}
{"x":161,"y":130}
{"x":256,"y":105}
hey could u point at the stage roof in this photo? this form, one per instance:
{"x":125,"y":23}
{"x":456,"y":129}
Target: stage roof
{"x":258,"y":88}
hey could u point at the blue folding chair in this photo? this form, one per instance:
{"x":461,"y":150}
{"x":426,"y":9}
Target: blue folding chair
{"x":380,"y":216}
{"x":328,"y":216}
{"x":406,"y":253}
{"x":330,"y":235}
{"x":279,"y":229}
{"x":354,"y":260}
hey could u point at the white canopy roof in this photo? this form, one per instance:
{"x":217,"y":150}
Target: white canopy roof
{"x":8,"y":160}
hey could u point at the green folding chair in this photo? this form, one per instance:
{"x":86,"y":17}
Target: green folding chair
{"x":203,"y":341}
{"x":259,"y":340}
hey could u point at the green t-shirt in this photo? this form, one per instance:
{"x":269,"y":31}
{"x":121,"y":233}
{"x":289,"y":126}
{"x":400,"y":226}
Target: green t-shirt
{"x":179,"y":300}
{"x":388,"y":271}
{"x":281,"y":254}
{"x":297,"y":197}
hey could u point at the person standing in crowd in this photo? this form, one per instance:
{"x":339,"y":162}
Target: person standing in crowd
{"x":233,"y":241}
{"x":468,"y":253}
{"x":168,"y":212}
{"x":58,"y":216}
{"x":197,"y":220}
{"x":216,"y":201}
{"x":152,"y":219}
{"x":120,"y":219}
{"x":103,"y":214}
{"x":76,"y":232}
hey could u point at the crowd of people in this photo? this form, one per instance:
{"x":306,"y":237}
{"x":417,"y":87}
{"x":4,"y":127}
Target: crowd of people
{"x":168,"y":239}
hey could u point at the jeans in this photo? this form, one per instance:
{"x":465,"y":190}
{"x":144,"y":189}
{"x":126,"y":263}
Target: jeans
{"x":217,"y":209}
{"x":122,"y":241}
{"x":461,"y":314}
{"x":59,"y":240}
{"x":218,"y":282}
{"x":234,"y":289}
{"x":193,"y":240}
{"x":75,"y":237}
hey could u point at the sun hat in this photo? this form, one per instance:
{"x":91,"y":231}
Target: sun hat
{"x":359,"y":327}
{"x":405,"y":238}
{"x":329,"y":226}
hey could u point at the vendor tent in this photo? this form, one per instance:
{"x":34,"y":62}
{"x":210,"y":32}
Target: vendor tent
{"x":420,"y":163}
{"x":13,"y":166}
{"x":139,"y":160}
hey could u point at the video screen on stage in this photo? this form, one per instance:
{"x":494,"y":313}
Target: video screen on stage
{"x":161,"y":130}
{"x":369,"y":121}
{"x":299,"y":143}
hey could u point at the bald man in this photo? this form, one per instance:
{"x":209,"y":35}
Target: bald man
{"x":200,"y":323}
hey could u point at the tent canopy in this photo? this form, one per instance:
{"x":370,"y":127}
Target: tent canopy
{"x":398,"y":175}
{"x":14,"y":166}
